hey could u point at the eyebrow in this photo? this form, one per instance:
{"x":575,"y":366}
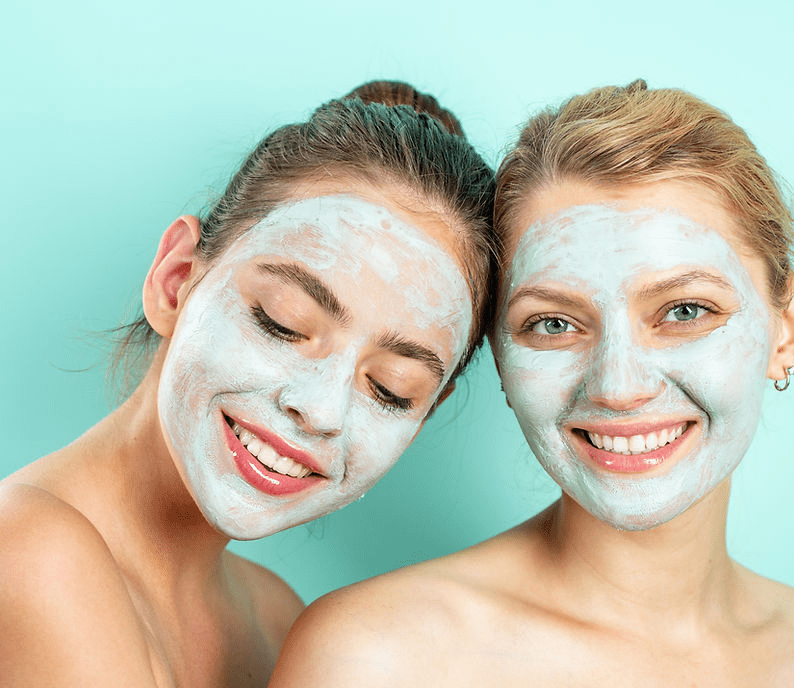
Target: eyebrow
{"x":546,"y":294}
{"x":682,"y":281}
{"x":405,"y":347}
{"x":311,"y":284}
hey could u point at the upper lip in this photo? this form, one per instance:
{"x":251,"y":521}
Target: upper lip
{"x":629,"y":429}
{"x":280,"y":445}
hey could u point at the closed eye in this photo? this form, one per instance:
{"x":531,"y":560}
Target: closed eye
{"x":387,"y":399}
{"x":273,"y":328}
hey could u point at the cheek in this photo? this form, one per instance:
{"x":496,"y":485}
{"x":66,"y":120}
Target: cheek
{"x":725,"y":372}
{"x":375,"y":442}
{"x":538,"y":384}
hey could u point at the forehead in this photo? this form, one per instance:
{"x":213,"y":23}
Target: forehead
{"x":340,"y":233}
{"x":596,"y":232}
{"x":607,"y":245}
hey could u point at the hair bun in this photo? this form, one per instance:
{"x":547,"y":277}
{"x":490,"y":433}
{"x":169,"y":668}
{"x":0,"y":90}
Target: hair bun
{"x":393,"y":93}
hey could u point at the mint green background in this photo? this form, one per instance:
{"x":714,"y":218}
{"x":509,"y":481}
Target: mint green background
{"x":116,"y":119}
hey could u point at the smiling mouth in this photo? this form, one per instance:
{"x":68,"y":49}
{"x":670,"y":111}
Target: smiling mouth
{"x":635,"y":444}
{"x":267,"y":455}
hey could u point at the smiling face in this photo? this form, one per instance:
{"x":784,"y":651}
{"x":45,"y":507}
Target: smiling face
{"x":634,"y":340}
{"x":306,"y":358}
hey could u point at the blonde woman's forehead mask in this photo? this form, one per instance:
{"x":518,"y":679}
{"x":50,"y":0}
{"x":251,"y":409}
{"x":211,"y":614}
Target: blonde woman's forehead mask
{"x":306,"y":358}
{"x":634,"y":340}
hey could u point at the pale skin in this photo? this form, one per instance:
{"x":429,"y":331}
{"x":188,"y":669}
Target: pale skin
{"x":566,"y":599}
{"x":112,"y":573}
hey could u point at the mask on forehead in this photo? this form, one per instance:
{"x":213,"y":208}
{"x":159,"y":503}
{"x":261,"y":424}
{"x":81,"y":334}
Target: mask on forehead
{"x":711,"y":385}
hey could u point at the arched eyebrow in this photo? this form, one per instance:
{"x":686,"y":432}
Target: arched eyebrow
{"x":391,"y":341}
{"x":683,"y":280}
{"x":546,"y":294}
{"x":291,"y":273}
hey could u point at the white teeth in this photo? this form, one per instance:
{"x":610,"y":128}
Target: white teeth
{"x":268,"y":457}
{"x":637,"y":444}
{"x":620,"y":445}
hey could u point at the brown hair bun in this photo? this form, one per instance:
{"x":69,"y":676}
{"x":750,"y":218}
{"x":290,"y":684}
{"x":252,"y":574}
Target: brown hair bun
{"x":393,"y":93}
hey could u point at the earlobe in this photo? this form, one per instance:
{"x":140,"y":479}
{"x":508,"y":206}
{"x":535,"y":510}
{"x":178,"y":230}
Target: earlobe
{"x":170,"y":275}
{"x":783,"y":347}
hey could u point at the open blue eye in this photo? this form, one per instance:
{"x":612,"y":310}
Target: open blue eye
{"x":552,"y":326}
{"x":683,"y":312}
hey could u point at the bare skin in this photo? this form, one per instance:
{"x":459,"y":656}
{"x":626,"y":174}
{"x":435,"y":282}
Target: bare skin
{"x":111,"y":575}
{"x":560,"y":600}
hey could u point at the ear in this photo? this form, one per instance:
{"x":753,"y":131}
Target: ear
{"x":782,"y":357}
{"x":167,"y":284}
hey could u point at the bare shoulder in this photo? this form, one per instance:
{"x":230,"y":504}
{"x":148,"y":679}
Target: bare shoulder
{"x":771,"y":600}
{"x":371,"y":634}
{"x":412,"y":626}
{"x":275,"y":604}
{"x":66,"y":618}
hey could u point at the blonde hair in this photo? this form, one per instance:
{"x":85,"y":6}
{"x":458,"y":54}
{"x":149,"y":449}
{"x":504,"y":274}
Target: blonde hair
{"x":630,"y":135}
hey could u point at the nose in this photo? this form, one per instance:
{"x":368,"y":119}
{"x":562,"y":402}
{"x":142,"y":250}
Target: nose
{"x":621,"y":375}
{"x":317,"y":399}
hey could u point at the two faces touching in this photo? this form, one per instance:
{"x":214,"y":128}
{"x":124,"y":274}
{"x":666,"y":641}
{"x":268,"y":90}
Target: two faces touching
{"x":307,"y":333}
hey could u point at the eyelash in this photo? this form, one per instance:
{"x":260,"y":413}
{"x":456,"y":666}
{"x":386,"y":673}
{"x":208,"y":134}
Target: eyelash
{"x":526,"y":328}
{"x":387,"y":399}
{"x":274,"y":329}
{"x":383,"y":396}
{"x":709,"y":308}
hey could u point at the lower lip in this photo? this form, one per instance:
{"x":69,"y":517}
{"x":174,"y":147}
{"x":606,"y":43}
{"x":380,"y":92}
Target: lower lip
{"x":631,"y":463}
{"x":258,"y":476}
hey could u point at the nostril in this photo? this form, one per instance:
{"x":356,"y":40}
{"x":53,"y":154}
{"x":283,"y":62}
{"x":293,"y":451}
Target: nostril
{"x":295,"y":415}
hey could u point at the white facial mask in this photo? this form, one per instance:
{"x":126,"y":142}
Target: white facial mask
{"x":391,"y":276}
{"x":601,"y":252}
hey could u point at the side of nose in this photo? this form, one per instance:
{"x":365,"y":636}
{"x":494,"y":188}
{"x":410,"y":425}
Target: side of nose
{"x":317,"y":399}
{"x":622,"y":375}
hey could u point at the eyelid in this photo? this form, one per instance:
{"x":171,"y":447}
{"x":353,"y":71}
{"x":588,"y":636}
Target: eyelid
{"x":273,"y":328}
{"x":388,"y":399}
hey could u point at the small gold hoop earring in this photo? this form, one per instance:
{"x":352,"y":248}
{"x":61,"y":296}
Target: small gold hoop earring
{"x":785,"y":383}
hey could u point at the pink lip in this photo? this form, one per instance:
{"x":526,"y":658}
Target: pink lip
{"x":629,"y":463}
{"x":281,"y":446}
{"x":260,"y":477}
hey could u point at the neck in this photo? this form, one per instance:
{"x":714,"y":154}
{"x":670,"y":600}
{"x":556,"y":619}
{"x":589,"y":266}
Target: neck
{"x":677,"y":574}
{"x":144,"y":511}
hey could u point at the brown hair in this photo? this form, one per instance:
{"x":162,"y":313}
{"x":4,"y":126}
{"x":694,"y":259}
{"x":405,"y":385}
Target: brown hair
{"x":374,"y":136}
{"x":631,"y":135}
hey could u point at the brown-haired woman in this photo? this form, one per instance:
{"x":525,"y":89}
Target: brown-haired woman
{"x":301,"y":334}
{"x":644,"y":305}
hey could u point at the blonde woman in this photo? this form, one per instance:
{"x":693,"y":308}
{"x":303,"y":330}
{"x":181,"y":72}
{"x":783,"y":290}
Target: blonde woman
{"x":645,"y":304}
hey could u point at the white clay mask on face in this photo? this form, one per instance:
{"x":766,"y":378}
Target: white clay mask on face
{"x":306,"y":359}
{"x":634,"y":396}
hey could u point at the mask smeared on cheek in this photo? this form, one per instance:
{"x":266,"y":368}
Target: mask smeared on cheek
{"x":715,"y":380}
{"x":389,"y":275}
